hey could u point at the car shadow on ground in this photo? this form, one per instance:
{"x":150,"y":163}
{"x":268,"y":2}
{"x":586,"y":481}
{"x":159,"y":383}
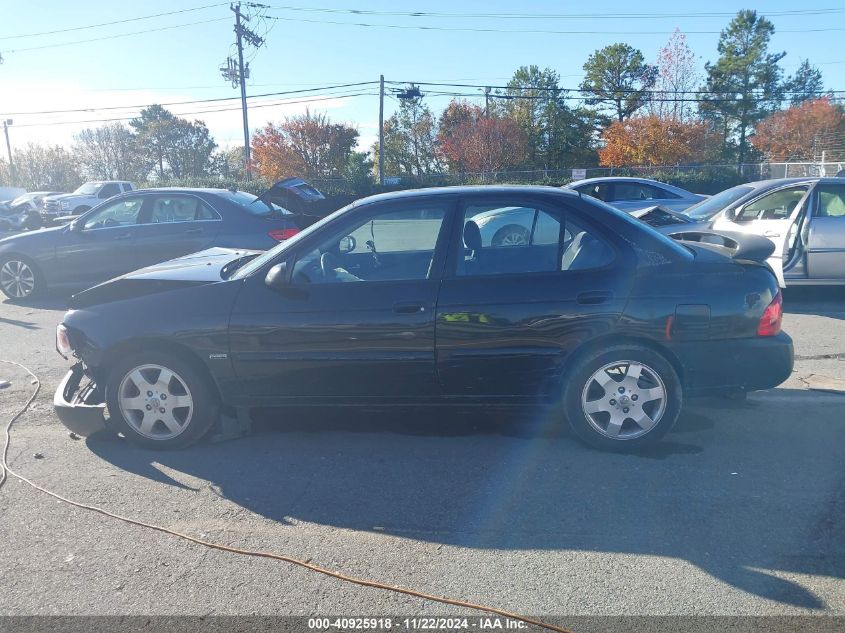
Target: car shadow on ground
{"x":826,"y":300}
{"x":496,"y":480}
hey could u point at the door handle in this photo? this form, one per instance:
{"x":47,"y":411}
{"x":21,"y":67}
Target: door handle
{"x":124,"y":236}
{"x":593,"y":298}
{"x":193,"y":231}
{"x":408,"y":308}
{"x":771,"y":234}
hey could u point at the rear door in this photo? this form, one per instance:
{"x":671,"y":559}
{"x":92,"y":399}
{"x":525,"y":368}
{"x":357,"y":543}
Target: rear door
{"x":825,"y":233}
{"x":508,"y":315}
{"x":173,"y":225}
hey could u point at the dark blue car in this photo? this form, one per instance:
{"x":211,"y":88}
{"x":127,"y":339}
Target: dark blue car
{"x":138,"y":229}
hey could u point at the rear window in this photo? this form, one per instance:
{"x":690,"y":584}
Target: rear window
{"x":251,"y":204}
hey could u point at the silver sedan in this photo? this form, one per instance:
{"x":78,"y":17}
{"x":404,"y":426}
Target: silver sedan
{"x":633,"y":194}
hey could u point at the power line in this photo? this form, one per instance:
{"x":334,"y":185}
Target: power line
{"x":101,"y":24}
{"x":227,"y":109}
{"x":110,"y":37}
{"x":547,"y":16}
{"x":193,"y":101}
{"x":523,"y":31}
{"x":589,"y":91}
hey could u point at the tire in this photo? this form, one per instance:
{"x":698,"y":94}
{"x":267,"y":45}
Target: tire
{"x":156,"y":412}
{"x":510,"y":235}
{"x":32,"y":222}
{"x":20,"y":277}
{"x":627,"y":421}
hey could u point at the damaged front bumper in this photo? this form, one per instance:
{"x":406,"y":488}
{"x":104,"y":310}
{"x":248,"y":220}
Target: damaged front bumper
{"x":80,"y":409}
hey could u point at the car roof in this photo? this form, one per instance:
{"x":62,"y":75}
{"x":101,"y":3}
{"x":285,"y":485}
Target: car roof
{"x":470,"y":190}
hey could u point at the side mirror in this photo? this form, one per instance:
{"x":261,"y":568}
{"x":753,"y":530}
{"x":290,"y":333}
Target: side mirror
{"x":277,"y":276}
{"x":346,"y":245}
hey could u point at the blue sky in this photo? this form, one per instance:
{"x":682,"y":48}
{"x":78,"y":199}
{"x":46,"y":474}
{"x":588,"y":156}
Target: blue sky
{"x":181,"y":64}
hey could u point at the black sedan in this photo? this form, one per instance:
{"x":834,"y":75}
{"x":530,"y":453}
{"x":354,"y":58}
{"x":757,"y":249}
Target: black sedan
{"x":137,"y":229}
{"x":397,"y":300}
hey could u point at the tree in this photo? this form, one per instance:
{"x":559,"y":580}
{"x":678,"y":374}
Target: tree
{"x":5,"y":174}
{"x":617,"y":76}
{"x":652,"y":140}
{"x":677,"y":79}
{"x":795,"y":134}
{"x":46,"y":167}
{"x":477,"y":143}
{"x":108,"y":153}
{"x":172,"y":147}
{"x":229,"y":163}
{"x":410,"y":139}
{"x":307,"y":145}
{"x":744,"y":85}
{"x":805,"y":84}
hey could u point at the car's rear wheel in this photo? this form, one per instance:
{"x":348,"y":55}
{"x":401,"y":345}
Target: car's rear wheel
{"x":623,"y":398}
{"x":159,"y":400}
{"x":511,"y":235}
{"x":19,"y":277}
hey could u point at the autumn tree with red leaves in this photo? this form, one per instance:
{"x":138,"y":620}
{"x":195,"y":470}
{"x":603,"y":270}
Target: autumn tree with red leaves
{"x":307,"y":145}
{"x":473,"y":142}
{"x":652,"y":140}
{"x":792,"y":134}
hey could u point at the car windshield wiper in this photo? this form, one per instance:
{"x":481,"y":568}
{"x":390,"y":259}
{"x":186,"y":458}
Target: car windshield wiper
{"x":229,"y":269}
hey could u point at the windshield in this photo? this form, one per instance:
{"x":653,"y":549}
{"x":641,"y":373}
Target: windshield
{"x":706,"y":209}
{"x":251,"y":204}
{"x":258,"y":262}
{"x":88,"y":189}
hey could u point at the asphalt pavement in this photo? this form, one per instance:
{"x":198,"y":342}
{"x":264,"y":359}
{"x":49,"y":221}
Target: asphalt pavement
{"x":740,"y":511}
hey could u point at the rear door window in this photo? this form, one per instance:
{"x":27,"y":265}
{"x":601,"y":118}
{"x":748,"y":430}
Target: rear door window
{"x":503,"y":239}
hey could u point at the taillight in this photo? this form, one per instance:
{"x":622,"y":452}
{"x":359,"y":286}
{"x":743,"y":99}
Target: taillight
{"x":282,"y":234}
{"x":770,"y":322}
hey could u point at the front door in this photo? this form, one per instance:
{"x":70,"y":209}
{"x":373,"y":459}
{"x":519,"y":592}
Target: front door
{"x":357,"y":317}
{"x":102,"y":244}
{"x":509,"y":313}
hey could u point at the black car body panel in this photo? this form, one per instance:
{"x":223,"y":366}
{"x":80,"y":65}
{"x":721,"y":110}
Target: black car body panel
{"x":73,"y":256}
{"x":505,"y":338}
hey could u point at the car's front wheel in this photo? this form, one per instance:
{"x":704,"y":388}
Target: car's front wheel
{"x":19,"y":277}
{"x":622,"y":398}
{"x":160,"y":400}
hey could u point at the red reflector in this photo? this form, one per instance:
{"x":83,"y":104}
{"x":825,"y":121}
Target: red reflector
{"x":282,"y":234}
{"x":770,"y":322}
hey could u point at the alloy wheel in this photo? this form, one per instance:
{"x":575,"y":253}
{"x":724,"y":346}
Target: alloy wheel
{"x":17,"y":279}
{"x":514,"y":238}
{"x":624,"y":400}
{"x":156,"y":402}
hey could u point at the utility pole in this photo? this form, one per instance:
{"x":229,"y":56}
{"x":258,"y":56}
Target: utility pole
{"x":12,"y":175}
{"x":380,"y":131}
{"x":241,"y":79}
{"x":487,"y":102}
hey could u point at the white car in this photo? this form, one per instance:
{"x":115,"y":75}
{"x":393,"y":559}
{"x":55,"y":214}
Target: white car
{"x":85,"y":197}
{"x":633,"y":194}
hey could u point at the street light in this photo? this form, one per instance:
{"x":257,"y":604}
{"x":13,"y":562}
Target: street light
{"x":6,"y":124}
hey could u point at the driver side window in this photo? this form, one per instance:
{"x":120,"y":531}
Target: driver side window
{"x":390,"y":245}
{"x":778,"y":205}
{"x":122,"y":213}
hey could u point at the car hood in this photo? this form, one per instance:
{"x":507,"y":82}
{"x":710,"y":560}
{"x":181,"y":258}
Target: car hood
{"x":204,"y":267}
{"x":67,"y":196}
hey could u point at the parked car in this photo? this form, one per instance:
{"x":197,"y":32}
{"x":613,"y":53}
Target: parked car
{"x":632,"y":194}
{"x":24,"y":212}
{"x":137,"y":229}
{"x":82,"y":199}
{"x":397,"y":299}
{"x":803,"y":217}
